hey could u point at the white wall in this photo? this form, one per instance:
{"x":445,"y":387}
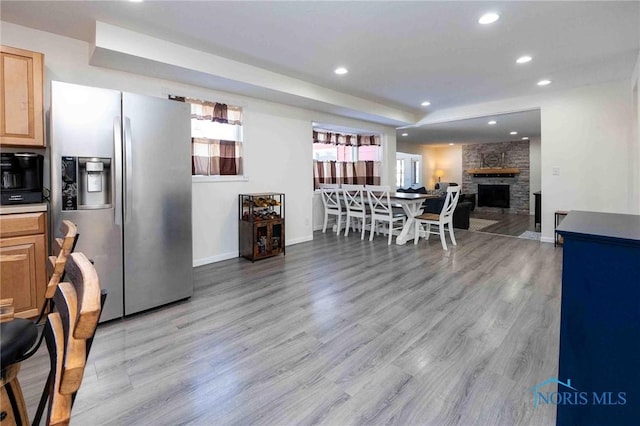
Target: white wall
{"x":277,"y":146}
{"x":635,"y":157}
{"x":535,"y":179}
{"x":429,"y":165}
{"x":587,"y":133}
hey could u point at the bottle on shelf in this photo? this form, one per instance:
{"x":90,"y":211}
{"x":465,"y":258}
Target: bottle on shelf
{"x":261,"y":227}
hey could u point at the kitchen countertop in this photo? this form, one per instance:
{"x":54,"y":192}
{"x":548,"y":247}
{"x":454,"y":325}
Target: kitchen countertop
{"x":602,"y":225}
{"x":24,"y":208}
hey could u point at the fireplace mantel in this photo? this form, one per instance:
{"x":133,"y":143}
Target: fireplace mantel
{"x":494,"y":172}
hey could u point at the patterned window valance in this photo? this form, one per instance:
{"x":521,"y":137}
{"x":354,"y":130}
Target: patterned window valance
{"x":350,"y":172}
{"x":344,"y":139}
{"x":212,"y":111}
{"x":220,"y":113}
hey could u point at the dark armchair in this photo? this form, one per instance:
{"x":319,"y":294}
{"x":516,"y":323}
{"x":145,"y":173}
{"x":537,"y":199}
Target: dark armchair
{"x":466,"y":204}
{"x":460,"y":214}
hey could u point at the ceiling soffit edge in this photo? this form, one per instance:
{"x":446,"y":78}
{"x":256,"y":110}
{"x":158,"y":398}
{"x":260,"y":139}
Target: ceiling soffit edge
{"x":126,"y":50}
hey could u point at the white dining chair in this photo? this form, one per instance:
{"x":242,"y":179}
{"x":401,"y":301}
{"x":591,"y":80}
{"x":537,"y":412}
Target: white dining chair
{"x":443,"y":221}
{"x":382,"y":211}
{"x":333,"y":204}
{"x":356,"y":205}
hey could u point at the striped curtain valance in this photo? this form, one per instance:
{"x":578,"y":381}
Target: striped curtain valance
{"x":217,"y":112}
{"x":349,"y":172}
{"x":344,"y":139}
{"x":368,"y":140}
{"x":212,"y":111}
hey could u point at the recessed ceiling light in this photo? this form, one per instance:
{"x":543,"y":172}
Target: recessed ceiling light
{"x":488,"y":18}
{"x":341,"y":70}
{"x":513,"y":133}
{"x":524,"y":59}
{"x":405,"y":134}
{"x":450,"y":144}
{"x":426,"y":103}
{"x":525,"y":138}
{"x":492,"y":122}
{"x":544,"y":82}
{"x":136,"y":1}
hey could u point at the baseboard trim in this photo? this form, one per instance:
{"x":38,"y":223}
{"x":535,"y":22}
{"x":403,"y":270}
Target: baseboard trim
{"x":232,"y":255}
{"x":300,"y":240}
{"x":214,"y":259}
{"x":547,"y":240}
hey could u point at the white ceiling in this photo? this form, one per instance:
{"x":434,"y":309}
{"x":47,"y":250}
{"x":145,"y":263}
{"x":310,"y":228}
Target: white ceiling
{"x":398,"y":53}
{"x":475,"y":130}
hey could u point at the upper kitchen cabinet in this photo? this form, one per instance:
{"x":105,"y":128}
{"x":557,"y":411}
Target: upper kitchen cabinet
{"x":21,"y":97}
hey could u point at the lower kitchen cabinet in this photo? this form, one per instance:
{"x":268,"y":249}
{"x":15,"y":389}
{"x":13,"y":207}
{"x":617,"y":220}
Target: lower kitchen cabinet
{"x":23,"y":253}
{"x":599,"y":320}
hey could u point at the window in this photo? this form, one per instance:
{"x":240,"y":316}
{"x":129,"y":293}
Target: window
{"x":408,"y":170}
{"x":216,"y":138}
{"x":399,"y":173}
{"x":346,"y":158}
{"x":369,"y":153}
{"x":322,"y":152}
{"x":415,"y":172}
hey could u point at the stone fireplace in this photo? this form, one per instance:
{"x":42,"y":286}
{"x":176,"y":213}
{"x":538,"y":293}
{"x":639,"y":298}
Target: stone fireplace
{"x":501,"y":192}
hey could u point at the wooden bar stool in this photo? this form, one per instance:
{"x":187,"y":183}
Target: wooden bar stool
{"x":19,"y":338}
{"x":69,"y":332}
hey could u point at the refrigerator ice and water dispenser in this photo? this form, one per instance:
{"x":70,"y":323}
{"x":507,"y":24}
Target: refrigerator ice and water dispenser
{"x":88,"y":187}
{"x":94,"y":187}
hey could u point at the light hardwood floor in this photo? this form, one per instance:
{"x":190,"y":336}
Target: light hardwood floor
{"x":338,"y":332}
{"x":508,"y":224}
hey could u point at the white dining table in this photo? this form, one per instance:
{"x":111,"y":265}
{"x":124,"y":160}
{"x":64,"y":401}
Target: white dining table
{"x":411,"y":204}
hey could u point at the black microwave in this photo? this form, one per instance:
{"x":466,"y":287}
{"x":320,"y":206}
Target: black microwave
{"x":21,"y":178}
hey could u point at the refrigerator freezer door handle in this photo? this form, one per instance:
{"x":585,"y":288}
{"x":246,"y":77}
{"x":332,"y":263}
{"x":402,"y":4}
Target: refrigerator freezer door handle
{"x":117,"y":152}
{"x":128,"y":171}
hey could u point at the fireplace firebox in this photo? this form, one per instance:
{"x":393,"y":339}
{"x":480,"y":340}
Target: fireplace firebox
{"x":493,"y":196}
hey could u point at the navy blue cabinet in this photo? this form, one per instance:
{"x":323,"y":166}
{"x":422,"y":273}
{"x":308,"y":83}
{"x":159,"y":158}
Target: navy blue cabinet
{"x":600,"y":319}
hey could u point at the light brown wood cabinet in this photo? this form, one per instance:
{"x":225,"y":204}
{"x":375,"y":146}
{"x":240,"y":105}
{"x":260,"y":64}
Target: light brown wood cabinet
{"x":21,"y":97}
{"x":261,"y":225}
{"x":23,"y":250}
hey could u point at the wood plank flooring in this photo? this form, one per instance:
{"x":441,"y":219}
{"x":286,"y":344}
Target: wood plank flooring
{"x":508,"y":224}
{"x":338,"y":332}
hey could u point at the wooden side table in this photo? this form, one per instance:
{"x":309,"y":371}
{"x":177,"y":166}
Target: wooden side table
{"x":558,"y":216}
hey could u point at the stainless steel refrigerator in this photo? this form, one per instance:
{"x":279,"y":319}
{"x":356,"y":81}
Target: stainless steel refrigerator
{"x":121,"y":170}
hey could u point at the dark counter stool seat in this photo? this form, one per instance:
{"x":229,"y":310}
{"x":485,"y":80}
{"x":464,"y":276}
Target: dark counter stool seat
{"x":17,"y":336}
